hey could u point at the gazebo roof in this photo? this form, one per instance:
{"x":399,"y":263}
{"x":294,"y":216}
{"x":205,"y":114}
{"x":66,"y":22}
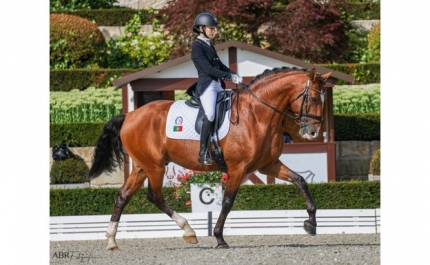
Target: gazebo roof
{"x":243,"y":58}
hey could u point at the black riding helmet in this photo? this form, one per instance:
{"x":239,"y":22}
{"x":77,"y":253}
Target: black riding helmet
{"x":204,"y":19}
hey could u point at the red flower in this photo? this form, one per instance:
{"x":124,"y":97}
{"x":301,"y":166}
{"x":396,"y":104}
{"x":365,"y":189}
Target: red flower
{"x":187,"y":203}
{"x":224,"y":177}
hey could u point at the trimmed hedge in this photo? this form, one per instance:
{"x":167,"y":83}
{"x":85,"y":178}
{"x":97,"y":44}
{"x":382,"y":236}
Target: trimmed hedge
{"x":117,"y":17}
{"x":357,"y":127}
{"x":68,"y":79}
{"x":366,"y":73}
{"x":333,"y":195}
{"x":75,"y":134}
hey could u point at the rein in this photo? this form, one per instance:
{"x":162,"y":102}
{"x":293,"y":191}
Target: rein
{"x":301,"y":115}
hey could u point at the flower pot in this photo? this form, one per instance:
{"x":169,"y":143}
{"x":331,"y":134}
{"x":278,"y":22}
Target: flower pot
{"x":206,"y":197}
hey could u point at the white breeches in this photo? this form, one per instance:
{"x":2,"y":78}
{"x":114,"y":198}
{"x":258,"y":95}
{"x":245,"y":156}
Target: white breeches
{"x":208,"y":99}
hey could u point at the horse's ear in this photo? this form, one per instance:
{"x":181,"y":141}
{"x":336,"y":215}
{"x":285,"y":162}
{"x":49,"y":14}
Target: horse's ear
{"x":313,"y":74}
{"x":326,"y":75}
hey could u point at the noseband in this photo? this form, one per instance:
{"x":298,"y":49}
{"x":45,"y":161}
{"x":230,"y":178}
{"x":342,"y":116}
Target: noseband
{"x":303,"y":94}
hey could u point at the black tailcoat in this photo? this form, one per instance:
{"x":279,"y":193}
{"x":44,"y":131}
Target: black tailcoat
{"x":209,"y":66}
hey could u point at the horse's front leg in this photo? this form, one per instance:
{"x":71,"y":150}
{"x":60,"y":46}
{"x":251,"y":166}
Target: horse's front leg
{"x":155,"y":196}
{"x":281,"y":171}
{"x":133,"y":183}
{"x":230,"y":193}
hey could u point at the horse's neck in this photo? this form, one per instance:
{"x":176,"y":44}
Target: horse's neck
{"x":276,"y":97}
{"x":256,"y":113}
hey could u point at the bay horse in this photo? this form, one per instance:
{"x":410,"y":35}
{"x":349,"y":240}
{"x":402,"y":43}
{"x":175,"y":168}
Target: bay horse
{"x":254,"y":142}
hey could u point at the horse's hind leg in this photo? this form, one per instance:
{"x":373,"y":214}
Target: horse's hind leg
{"x":155,"y":196}
{"x":133,"y":183}
{"x":281,"y":171}
{"x":231,"y":189}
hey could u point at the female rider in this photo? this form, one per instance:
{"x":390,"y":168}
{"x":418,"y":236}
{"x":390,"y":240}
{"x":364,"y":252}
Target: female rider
{"x":212,"y":73}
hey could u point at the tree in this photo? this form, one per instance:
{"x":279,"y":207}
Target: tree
{"x":308,"y":30}
{"x":314,"y":31}
{"x":239,"y":20}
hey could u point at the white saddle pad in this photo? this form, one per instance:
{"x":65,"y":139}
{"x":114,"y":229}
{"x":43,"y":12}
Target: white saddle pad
{"x":181,"y":120}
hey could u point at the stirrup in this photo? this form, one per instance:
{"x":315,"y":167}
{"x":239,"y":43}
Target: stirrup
{"x":205,"y":159}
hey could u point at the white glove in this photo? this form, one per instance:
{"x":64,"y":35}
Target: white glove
{"x":237,"y":79}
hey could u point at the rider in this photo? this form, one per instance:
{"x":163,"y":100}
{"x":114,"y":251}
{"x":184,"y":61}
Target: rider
{"x":211,"y":72}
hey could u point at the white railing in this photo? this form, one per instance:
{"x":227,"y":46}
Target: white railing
{"x":276,"y":222}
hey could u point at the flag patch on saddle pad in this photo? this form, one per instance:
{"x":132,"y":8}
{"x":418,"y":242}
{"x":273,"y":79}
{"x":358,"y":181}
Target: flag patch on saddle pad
{"x":177,"y":128}
{"x":178,"y":124}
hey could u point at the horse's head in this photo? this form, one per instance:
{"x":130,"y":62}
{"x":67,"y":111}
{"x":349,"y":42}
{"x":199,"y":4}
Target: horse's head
{"x":295,"y":93}
{"x":307,"y":104}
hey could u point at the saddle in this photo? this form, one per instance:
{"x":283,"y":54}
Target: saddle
{"x":223,"y":104}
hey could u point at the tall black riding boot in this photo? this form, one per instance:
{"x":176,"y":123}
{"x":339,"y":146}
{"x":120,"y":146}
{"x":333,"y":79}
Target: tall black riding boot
{"x":204,"y":157}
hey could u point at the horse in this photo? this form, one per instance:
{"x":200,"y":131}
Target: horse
{"x":253,"y":142}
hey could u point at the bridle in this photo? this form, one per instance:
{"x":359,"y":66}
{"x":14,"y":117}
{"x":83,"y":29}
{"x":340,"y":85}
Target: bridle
{"x":301,"y":116}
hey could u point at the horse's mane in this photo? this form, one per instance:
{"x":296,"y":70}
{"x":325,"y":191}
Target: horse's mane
{"x":276,"y":70}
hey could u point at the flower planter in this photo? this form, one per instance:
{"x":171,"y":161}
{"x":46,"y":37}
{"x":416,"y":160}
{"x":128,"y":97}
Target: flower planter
{"x":206,"y":197}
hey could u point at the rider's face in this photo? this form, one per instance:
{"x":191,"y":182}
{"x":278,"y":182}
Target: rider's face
{"x":211,"y":31}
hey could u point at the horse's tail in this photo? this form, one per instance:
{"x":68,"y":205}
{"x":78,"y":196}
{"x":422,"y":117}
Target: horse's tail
{"x":108,"y":153}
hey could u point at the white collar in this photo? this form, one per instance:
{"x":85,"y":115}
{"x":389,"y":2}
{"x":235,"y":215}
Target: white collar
{"x":205,"y":40}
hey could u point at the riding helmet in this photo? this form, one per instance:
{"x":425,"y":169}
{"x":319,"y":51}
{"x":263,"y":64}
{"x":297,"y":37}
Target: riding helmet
{"x":204,"y":19}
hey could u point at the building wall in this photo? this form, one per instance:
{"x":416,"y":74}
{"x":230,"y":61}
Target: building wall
{"x":353,"y":159}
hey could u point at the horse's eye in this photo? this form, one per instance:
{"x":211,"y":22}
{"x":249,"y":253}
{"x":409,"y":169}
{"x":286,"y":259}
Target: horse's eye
{"x":313,"y":100}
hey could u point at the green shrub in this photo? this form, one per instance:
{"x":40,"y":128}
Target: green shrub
{"x":375,"y":163}
{"x":364,"y":10}
{"x":61,"y":5}
{"x":357,"y":45}
{"x":136,"y":50}
{"x":374,"y":43}
{"x":75,"y":43}
{"x":70,"y":170}
{"x":356,"y":100}
{"x":90,"y":105}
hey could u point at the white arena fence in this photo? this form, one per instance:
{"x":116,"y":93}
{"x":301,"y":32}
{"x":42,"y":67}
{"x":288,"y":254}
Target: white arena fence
{"x":274,"y":222}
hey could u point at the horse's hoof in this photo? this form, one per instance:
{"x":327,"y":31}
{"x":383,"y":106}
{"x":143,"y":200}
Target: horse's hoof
{"x":190,"y":239}
{"x":225,"y":246}
{"x":310,"y":228}
{"x":112,"y":248}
